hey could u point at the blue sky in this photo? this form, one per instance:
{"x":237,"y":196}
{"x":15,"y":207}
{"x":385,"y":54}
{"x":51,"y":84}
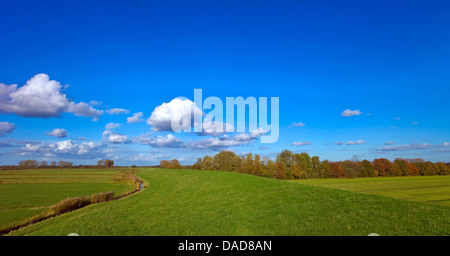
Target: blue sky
{"x":388,"y":59}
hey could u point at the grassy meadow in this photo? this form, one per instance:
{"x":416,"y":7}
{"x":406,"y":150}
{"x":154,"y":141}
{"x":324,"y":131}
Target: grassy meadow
{"x":193,"y":202}
{"x":428,"y":189}
{"x":25,"y":193}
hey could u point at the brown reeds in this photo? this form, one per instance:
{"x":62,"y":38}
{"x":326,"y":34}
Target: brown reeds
{"x":71,"y":204}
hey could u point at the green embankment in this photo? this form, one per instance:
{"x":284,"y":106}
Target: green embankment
{"x":191,"y":202}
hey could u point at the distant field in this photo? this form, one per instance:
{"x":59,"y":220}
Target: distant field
{"x":25,"y":193}
{"x":429,"y":189}
{"x":193,"y":202}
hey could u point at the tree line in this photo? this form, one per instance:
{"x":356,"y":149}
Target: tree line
{"x":28,"y":164}
{"x":302,"y":166}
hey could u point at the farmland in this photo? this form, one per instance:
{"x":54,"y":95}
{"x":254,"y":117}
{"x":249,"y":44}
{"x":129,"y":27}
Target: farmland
{"x":194,"y":202}
{"x":25,"y":193}
{"x":429,"y":189}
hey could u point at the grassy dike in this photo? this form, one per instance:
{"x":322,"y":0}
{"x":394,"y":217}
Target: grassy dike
{"x":192,"y":202}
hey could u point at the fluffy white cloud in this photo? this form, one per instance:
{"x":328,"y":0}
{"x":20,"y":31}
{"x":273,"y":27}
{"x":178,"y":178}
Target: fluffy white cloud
{"x":65,"y":149}
{"x":301,"y":143}
{"x":83,"y":109}
{"x":136,"y":118}
{"x":117,"y":111}
{"x":215,"y":128}
{"x":59,"y":133}
{"x":348,"y":113}
{"x":41,"y":97}
{"x":177,"y":109}
{"x":217,"y":143}
{"x":113,"y":137}
{"x":6,"y":128}
{"x":111,"y":126}
{"x":86,"y":147}
{"x":63,"y":146}
{"x":33,"y":147}
{"x":358,"y":142}
{"x":168,"y":141}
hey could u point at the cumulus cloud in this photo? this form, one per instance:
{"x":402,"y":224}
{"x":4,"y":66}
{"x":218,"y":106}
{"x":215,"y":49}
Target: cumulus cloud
{"x":65,"y":149}
{"x":63,"y":146}
{"x":111,"y":126}
{"x":301,"y":124}
{"x":217,"y":143}
{"x":215,"y":128}
{"x":177,"y":109}
{"x":169,"y":141}
{"x":83,"y":109}
{"x":348,"y":113}
{"x":41,"y":97}
{"x":117,"y":111}
{"x":358,"y":142}
{"x":113,"y":137}
{"x":301,"y":143}
{"x":6,"y":128}
{"x":59,"y":133}
{"x":136,"y":118}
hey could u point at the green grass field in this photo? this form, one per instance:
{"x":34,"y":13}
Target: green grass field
{"x":192,"y":202}
{"x":25,"y":193}
{"x":429,"y":189}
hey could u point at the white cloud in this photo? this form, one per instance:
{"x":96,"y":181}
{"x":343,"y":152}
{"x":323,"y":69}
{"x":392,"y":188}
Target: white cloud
{"x":111,"y":126}
{"x":257,"y":133}
{"x":63,"y":149}
{"x":348,"y":113}
{"x":406,"y":147}
{"x":136,"y":118}
{"x":161,"y":117}
{"x":6,"y":128}
{"x":59,"y":133}
{"x":248,"y":137}
{"x":215,"y":128}
{"x":117,"y":111}
{"x":33,"y":147}
{"x":83,"y":109}
{"x":168,"y":141}
{"x":217,"y":143}
{"x":301,"y":143}
{"x":86,"y":147}
{"x":388,"y":143}
{"x":113,"y":137}
{"x":41,"y":97}
{"x":358,"y":142}
{"x":301,"y":124}
{"x":63,"y":146}
{"x":339,"y":143}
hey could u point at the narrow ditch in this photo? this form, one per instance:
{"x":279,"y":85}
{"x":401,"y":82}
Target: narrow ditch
{"x":72,"y":204}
